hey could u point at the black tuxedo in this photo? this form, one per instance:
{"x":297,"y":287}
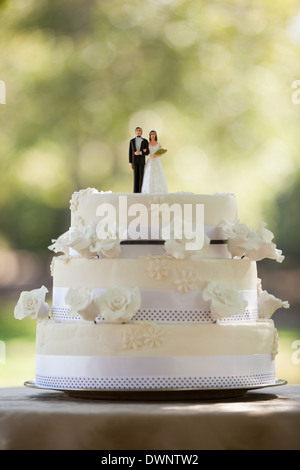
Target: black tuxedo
{"x":138,"y":162}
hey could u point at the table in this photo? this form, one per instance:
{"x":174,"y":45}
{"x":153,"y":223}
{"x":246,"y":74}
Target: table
{"x":32,"y":419}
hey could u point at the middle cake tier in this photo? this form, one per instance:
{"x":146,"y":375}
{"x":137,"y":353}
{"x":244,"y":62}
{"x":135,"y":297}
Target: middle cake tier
{"x":170,"y":291}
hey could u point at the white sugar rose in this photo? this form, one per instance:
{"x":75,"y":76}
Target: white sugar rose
{"x":237,"y":235}
{"x":61,"y":244}
{"x":244,"y":242}
{"x":32,"y":303}
{"x":78,"y":238}
{"x":88,"y":241}
{"x":225,"y":301}
{"x":176,"y":248}
{"x":119,"y":304}
{"x":268,"y":303}
{"x":263,"y":246}
{"x":81,"y":239}
{"x":81,"y":302}
{"x":178,"y":239}
{"x":107,"y":242}
{"x":108,"y":248}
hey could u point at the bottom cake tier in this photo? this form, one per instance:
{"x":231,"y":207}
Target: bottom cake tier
{"x":147,"y":356}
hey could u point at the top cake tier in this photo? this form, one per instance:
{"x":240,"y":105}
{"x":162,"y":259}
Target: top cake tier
{"x":85,"y":204}
{"x":175,"y":224}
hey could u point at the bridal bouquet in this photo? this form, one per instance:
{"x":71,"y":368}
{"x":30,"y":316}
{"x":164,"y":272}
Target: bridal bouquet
{"x":160,"y":151}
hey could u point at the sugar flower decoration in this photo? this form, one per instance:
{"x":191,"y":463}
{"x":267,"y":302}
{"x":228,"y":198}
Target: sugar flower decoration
{"x":176,"y":248}
{"x":225,"y":301}
{"x":133,"y":339}
{"x":78,"y":238}
{"x":176,"y":245}
{"x":157,"y":268}
{"x":32,"y":303}
{"x":186,"y":282}
{"x":88,"y":241}
{"x":153,"y":336}
{"x":119,"y":304}
{"x":268,"y":303}
{"x":138,"y":336}
{"x":109,"y":248}
{"x":61,"y":244}
{"x":106,"y":243}
{"x":81,"y":302}
{"x":76,"y":196}
{"x":245,"y":242}
{"x":81,"y":238}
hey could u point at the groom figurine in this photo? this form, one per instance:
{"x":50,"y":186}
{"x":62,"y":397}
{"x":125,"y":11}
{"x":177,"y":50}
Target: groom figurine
{"x":138,"y":149}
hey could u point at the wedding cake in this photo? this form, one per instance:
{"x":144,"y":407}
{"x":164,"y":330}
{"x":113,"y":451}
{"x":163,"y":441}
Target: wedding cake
{"x":143,"y":300}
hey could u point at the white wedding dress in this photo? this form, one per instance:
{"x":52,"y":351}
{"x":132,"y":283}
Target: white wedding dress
{"x":154,"y":180}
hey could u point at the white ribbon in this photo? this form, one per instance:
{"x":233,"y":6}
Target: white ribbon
{"x":164,"y":306}
{"x":115,"y":371}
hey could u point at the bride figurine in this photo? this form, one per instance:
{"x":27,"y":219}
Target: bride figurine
{"x":154,"y":180}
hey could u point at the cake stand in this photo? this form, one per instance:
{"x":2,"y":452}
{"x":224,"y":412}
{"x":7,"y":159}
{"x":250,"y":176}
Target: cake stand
{"x":152,"y":395}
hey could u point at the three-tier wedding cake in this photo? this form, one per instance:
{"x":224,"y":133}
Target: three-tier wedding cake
{"x":142,"y":300}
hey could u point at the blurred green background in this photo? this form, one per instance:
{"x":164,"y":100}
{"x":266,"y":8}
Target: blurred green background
{"x":218,"y":80}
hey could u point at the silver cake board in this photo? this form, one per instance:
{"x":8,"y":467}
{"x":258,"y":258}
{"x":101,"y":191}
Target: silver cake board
{"x":157,"y":395}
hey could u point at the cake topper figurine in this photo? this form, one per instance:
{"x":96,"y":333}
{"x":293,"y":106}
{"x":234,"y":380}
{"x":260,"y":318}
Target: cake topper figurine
{"x":154,"y":181}
{"x":138,"y":149}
